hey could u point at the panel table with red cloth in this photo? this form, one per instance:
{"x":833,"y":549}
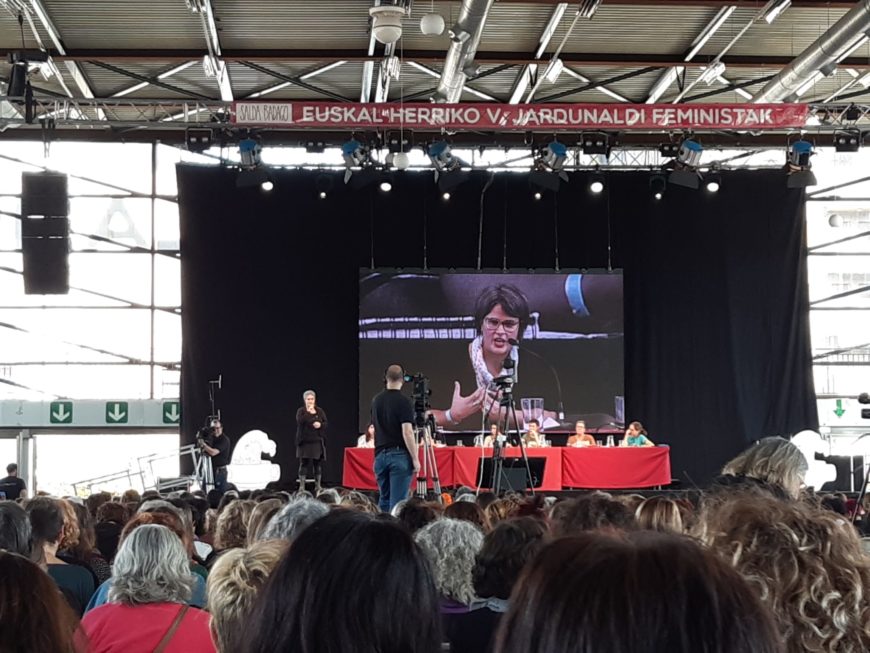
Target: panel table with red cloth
{"x":465,"y":464}
{"x":359,"y":470}
{"x":615,"y":467}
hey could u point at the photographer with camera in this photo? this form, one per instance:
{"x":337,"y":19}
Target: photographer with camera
{"x":216,"y":445}
{"x":396,"y":456}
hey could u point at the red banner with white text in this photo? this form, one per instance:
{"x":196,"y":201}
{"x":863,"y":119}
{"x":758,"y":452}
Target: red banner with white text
{"x":526,"y":117}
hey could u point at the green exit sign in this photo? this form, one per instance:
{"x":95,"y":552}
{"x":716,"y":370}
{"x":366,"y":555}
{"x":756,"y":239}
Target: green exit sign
{"x":60,"y":412}
{"x":171,"y":412}
{"x":117,"y":412}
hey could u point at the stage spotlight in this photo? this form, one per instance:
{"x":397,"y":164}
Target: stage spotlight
{"x":267,"y":185}
{"x":657,"y":184}
{"x":386,"y":186}
{"x":553,"y":156}
{"x":323,"y":194}
{"x":714,"y":183}
{"x":547,"y":172}
{"x":798,"y":165}
{"x":198,"y":140}
{"x":669,"y":150}
{"x":847,"y":140}
{"x":249,"y":151}
{"x":445,"y":196}
{"x":596,"y":185}
{"x":685,"y":166}
{"x":447,"y":166}
{"x":537,"y":196}
{"x":596,"y":144}
{"x":358,"y":163}
{"x":401,"y":161}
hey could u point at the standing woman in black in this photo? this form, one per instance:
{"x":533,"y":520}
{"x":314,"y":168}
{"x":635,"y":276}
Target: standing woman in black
{"x":310,"y":447}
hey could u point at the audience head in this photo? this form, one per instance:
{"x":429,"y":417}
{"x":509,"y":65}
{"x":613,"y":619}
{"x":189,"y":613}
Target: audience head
{"x":660,"y":514}
{"x":805,"y":563}
{"x":643,"y":592}
{"x":131,"y":496}
{"x":501,"y":509}
{"x":260,"y":516}
{"x":236,"y":579}
{"x":293,"y":518}
{"x":96,"y":500}
{"x":33,"y":614}
{"x":14,"y":530}
{"x":323,"y":597}
{"x":450,"y":546}
{"x":12,"y":469}
{"x":152,"y":566}
{"x":415,"y":514}
{"x":46,"y":523}
{"x":359,"y":501}
{"x":470,"y":512}
{"x":505,"y":552}
{"x":329,"y":496}
{"x":87,"y":539}
{"x":69,"y":538}
{"x":594,"y":511}
{"x":167,"y":519}
{"x":772,"y":461}
{"x":231,"y":531}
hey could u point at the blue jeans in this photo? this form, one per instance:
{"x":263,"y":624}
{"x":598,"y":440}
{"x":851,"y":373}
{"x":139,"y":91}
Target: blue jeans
{"x":220,"y":479}
{"x":394,"y":471}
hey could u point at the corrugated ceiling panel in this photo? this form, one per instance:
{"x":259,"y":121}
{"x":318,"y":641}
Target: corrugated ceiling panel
{"x":298,"y":24}
{"x":127,"y":24}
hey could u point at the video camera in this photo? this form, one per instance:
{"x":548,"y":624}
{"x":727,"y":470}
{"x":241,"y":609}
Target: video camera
{"x":420,"y":394}
{"x":206,"y":434}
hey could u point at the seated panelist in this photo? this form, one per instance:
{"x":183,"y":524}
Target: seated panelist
{"x":636,"y":436}
{"x":581,"y":438}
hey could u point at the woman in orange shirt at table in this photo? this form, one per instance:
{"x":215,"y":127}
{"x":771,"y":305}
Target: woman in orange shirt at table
{"x":581,"y":438}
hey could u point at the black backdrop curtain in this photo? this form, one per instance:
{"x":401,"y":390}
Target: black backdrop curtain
{"x":717,"y":327}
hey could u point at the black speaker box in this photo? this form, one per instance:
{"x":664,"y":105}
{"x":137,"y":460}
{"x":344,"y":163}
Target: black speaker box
{"x":44,"y":193}
{"x":45,"y":253}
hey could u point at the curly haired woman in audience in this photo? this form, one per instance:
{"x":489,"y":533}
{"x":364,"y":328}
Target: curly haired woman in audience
{"x":320,"y":599}
{"x":233,"y":585}
{"x":642,"y":592}
{"x":147,"y":601}
{"x":805,"y":563}
{"x":470,"y":512}
{"x":34,"y":618}
{"x":85,"y":551}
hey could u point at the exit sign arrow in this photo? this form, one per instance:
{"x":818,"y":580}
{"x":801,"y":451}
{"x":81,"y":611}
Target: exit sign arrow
{"x":60,"y":412}
{"x":839,"y":410}
{"x":171,"y":412}
{"x":117,"y":412}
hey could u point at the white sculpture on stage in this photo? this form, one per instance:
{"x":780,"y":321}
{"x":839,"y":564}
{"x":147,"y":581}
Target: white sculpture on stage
{"x":247,"y":469}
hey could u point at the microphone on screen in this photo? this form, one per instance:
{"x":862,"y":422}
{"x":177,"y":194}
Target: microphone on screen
{"x":515,"y":343}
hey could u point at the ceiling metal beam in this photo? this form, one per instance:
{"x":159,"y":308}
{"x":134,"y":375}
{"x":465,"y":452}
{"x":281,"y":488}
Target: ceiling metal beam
{"x":325,"y":56}
{"x":743,"y":4}
{"x":434,"y":73}
{"x":155,"y":81}
{"x":218,"y":65}
{"x":166,"y":74}
{"x":299,"y":81}
{"x":524,"y":79}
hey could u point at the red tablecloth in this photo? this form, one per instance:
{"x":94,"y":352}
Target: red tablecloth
{"x":465,"y":464}
{"x":615,"y":467}
{"x":359,"y":471}
{"x":566,"y":467}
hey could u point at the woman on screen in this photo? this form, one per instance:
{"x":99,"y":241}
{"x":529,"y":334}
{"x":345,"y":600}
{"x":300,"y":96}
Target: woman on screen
{"x":501,"y":314}
{"x":636,"y":436}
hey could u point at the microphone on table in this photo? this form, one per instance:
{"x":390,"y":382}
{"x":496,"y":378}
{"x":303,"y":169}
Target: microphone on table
{"x":516,"y":344}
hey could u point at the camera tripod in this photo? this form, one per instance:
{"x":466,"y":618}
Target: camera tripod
{"x":506,"y":404}
{"x":423,"y":435}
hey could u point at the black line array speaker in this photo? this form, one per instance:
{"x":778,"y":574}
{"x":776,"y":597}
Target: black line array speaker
{"x":45,"y":233}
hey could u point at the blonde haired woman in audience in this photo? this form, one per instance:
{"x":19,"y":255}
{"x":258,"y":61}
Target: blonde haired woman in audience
{"x":233,"y":585}
{"x":772,"y":462}
{"x":659,"y":514}
{"x":805,"y":563}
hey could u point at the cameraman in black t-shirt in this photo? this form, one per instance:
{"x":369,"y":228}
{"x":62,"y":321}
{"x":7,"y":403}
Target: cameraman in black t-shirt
{"x":396,"y":457}
{"x":214,"y":443}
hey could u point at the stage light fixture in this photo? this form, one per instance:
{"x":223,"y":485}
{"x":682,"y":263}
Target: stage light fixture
{"x":669,"y":150}
{"x":548,"y":169}
{"x":386,"y":186}
{"x":401,"y":161}
{"x":252,"y":172}
{"x":847,"y":140}
{"x":315,"y":147}
{"x":445,"y":196}
{"x":852,"y":113}
{"x":684,"y":169}
{"x":358,"y":164}
{"x":537,"y":195}
{"x":249,"y":151}
{"x":658,"y":184}
{"x":198,"y":140}
{"x":596,"y":144}
{"x":713,"y":183}
{"x":267,"y":185}
{"x":447,"y":166}
{"x":596,"y":185}
{"x":553,"y":156}
{"x":798,"y":165}
{"x":323,"y":194}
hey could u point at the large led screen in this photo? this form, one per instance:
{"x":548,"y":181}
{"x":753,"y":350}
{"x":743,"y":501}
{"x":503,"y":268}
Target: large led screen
{"x":554,"y":341}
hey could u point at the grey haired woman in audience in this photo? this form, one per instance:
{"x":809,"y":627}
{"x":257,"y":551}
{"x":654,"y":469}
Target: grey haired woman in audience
{"x":774,"y":464}
{"x":147,"y":610}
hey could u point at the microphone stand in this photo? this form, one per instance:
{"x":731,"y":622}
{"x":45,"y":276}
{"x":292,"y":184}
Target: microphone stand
{"x":552,"y":369}
{"x":506,"y":384}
